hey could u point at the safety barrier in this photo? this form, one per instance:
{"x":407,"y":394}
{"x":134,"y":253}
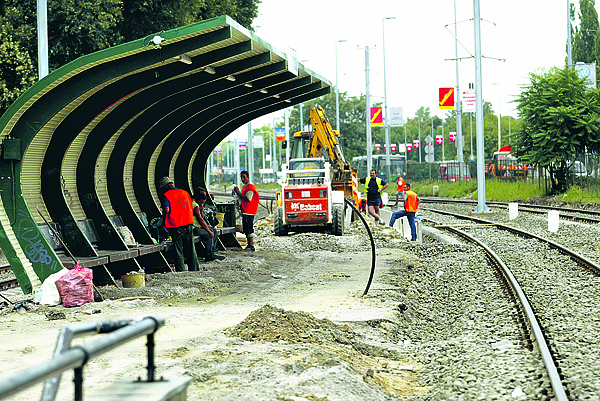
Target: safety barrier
{"x":118,"y":332}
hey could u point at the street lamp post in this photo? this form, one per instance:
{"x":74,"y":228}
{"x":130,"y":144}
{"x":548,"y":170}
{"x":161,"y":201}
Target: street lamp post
{"x":337,"y":92}
{"x":499,"y":128}
{"x":385,"y":115}
{"x":419,"y":139}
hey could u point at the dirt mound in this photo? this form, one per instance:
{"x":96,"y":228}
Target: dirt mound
{"x":271,"y":324}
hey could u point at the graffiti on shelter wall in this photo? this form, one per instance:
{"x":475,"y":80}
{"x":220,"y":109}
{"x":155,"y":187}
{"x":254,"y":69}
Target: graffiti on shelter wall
{"x":35,"y":250}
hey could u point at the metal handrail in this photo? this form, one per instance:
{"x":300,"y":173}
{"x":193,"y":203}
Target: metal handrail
{"x":120,"y":332}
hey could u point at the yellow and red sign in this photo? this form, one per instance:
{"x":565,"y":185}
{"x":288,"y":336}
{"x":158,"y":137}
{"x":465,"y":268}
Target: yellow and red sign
{"x":447,"y":98}
{"x":376,"y":117}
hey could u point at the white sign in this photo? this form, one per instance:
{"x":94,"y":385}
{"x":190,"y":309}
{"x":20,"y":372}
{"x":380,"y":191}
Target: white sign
{"x":396,"y":117}
{"x":258,"y":142}
{"x":402,"y":148}
{"x":587,"y":71}
{"x":468,"y":101}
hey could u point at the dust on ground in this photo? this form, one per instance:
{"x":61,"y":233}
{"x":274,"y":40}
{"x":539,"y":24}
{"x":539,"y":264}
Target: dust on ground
{"x":287,"y":322}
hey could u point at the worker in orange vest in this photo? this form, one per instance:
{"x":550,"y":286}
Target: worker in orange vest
{"x":400,"y":190}
{"x":179,"y":221}
{"x":411,"y":205}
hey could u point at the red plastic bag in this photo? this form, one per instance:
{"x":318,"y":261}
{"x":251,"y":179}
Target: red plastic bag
{"x":75,"y":287}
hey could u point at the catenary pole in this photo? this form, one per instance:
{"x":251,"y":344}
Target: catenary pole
{"x":481,"y":206}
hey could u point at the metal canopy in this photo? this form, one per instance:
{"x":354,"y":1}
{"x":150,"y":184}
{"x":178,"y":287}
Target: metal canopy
{"x":85,"y":146}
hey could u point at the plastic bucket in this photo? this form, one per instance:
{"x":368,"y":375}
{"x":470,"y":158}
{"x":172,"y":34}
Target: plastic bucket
{"x":384,"y":198}
{"x":553,"y":220}
{"x":135,"y":280}
{"x":220,"y":218}
{"x":513,"y":211}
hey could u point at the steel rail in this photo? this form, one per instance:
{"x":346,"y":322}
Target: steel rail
{"x":528,"y":207}
{"x":535,"y":329}
{"x":579,"y":259}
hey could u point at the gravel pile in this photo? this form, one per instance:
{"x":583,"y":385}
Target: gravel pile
{"x":565,"y":297}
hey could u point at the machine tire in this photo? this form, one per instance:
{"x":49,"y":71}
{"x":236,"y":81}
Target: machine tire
{"x":280,"y":229}
{"x":337,"y":221}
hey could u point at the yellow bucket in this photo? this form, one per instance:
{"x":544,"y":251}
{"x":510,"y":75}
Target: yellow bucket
{"x":220,"y":218}
{"x":135,"y":280}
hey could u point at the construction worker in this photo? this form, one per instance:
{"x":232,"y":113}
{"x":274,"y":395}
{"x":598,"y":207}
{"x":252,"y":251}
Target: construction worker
{"x":249,"y":198}
{"x":179,"y":221}
{"x":411,"y":205}
{"x":374,"y":186}
{"x":400,"y":189}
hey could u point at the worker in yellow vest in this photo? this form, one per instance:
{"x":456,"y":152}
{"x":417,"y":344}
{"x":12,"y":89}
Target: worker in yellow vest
{"x":374,"y":186}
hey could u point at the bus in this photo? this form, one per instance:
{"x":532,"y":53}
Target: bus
{"x":397,"y":165}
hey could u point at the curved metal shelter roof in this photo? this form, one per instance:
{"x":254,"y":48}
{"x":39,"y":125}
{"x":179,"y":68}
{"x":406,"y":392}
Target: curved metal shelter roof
{"x":83,"y":148}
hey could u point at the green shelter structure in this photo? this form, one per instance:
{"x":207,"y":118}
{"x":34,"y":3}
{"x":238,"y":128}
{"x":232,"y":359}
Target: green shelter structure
{"x":83,"y":149}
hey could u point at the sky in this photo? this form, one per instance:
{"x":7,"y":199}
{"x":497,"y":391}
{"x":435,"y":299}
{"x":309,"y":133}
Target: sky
{"x":528,"y":35}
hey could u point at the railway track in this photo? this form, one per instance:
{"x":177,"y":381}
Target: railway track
{"x":560,"y":285}
{"x":7,"y":279}
{"x":582,"y":215}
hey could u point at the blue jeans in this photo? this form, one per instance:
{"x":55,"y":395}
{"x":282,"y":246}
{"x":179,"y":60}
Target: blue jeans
{"x":210,"y":243}
{"x":411,"y":221}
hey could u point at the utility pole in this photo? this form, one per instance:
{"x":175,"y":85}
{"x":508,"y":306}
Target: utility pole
{"x":569,"y":47}
{"x":419,"y":140}
{"x":368,"y":113}
{"x":337,"y":92}
{"x":250,"y":148}
{"x":459,"y":135}
{"x":385,"y":115}
{"x":481,"y":206}
{"x":42,"y":27}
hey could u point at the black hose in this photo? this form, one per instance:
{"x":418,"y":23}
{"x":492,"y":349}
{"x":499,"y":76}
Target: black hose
{"x":351,"y":204}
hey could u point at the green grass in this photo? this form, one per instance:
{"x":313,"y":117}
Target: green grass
{"x":494,"y":190}
{"x":577,"y":194}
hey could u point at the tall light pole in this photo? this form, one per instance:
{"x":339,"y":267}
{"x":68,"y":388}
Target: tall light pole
{"x":385,"y":115}
{"x":481,"y":206}
{"x":368,"y":112}
{"x":459,"y":134}
{"x":42,"y":25}
{"x":499,"y":128}
{"x":419,"y":140}
{"x":337,"y":91}
{"x":569,"y":58}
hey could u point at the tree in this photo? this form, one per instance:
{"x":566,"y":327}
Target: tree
{"x":16,"y":74}
{"x":80,"y":27}
{"x":560,"y":118}
{"x":584,"y":38}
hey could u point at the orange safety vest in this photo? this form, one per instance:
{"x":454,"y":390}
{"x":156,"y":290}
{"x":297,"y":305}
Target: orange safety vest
{"x":251,"y":206}
{"x":411,"y":204}
{"x":400,"y":184}
{"x":181,"y":212}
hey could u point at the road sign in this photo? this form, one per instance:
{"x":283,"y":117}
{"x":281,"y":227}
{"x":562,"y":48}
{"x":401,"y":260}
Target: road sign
{"x":452,"y":136}
{"x":429,"y":149}
{"x":439,"y":140}
{"x":468,"y":101}
{"x":446,"y":98}
{"x":587,"y":71}
{"x":396,"y":117}
{"x":429,"y":158}
{"x":429,"y":139}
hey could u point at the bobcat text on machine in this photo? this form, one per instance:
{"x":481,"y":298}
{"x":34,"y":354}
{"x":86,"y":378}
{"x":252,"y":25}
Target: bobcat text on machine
{"x":318,"y":177}
{"x":308,"y":199}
